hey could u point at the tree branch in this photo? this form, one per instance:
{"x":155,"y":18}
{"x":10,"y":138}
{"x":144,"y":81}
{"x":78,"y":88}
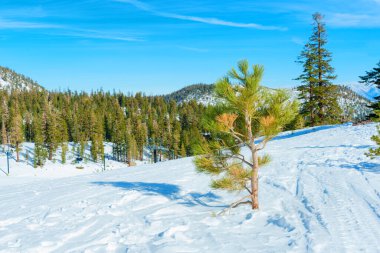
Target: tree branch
{"x":235,"y":204}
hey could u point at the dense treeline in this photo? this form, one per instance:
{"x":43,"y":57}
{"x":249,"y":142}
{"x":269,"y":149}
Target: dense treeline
{"x":52,"y":119}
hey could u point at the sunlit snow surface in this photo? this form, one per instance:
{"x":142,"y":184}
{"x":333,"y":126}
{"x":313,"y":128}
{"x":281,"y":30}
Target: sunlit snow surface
{"x":320,"y":194}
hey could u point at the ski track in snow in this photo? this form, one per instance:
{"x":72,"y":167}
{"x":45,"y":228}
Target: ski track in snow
{"x":320,"y":194}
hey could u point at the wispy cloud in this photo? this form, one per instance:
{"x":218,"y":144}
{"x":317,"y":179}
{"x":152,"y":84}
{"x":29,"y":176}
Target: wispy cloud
{"x":138,"y":4}
{"x":215,"y":21}
{"x":60,"y":30}
{"x":193,"y":49}
{"x":348,"y":20}
{"x":14,"y":24}
{"x":298,"y":41}
{"x":206,"y":20}
{"x":95,"y":34}
{"x":31,"y":12}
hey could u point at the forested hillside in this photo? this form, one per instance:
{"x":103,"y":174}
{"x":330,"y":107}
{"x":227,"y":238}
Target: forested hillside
{"x":11,"y":80}
{"x":170,"y":124}
{"x":52,"y":119}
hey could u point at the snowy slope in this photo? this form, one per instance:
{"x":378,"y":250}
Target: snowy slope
{"x":55,"y":168}
{"x":320,"y":194}
{"x":367,"y":91}
{"x":353,"y":99}
{"x":10,"y":80}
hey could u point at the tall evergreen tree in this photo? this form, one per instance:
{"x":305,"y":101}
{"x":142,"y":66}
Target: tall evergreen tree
{"x":246,"y":114}
{"x":63,"y":138}
{"x":319,"y":95}
{"x":4,"y":119}
{"x":16,"y":133}
{"x":372,"y":77}
{"x":40,"y":152}
{"x":51,"y":131}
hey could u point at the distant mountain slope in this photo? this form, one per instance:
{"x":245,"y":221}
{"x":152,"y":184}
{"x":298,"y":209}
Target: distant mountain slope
{"x":367,"y":91}
{"x":10,"y":80}
{"x":355,"y":105}
{"x":203,"y":93}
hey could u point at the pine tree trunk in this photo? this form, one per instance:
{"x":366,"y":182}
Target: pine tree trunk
{"x":50,"y":154}
{"x":255,"y":167}
{"x":255,"y":182}
{"x":17,"y":152}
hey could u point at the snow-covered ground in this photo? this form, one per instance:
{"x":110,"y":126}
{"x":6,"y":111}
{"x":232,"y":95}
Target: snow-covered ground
{"x":55,"y":169}
{"x":320,"y":194}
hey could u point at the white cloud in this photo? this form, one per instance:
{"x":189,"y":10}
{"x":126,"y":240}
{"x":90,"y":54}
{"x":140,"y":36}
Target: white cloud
{"x":67,"y":31}
{"x":207,"y":20}
{"x":12,"y":24}
{"x":94,"y":34}
{"x":138,"y":4}
{"x":353,"y":20}
{"x":215,"y":21}
{"x":193,"y":49}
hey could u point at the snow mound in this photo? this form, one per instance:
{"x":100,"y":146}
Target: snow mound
{"x":320,"y":194}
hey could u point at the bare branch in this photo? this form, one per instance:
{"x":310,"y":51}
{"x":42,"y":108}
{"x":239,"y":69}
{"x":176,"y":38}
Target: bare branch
{"x":263,"y":144}
{"x":248,"y":189}
{"x":235,"y":204}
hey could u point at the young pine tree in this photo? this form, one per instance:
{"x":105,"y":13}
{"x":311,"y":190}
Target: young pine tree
{"x":247,"y":113}
{"x":374,"y":152}
{"x":319,"y":95}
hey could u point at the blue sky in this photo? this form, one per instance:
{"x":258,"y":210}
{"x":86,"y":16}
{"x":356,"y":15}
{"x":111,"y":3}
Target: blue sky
{"x":160,"y":46}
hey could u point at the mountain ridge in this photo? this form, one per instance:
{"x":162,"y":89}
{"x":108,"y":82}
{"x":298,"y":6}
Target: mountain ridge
{"x":11,"y":80}
{"x":354,"y":99}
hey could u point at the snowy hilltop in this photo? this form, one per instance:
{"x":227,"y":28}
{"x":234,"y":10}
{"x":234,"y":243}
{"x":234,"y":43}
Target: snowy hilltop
{"x":10,"y":80}
{"x":320,"y":194}
{"x":353,"y":99}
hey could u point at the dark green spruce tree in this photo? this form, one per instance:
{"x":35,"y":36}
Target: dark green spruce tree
{"x":319,"y":95}
{"x":40,"y":151}
{"x":372,"y":77}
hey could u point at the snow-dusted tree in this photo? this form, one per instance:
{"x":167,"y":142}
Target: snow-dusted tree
{"x":246,"y":113}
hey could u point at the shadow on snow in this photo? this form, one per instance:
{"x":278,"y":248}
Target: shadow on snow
{"x":304,"y":131}
{"x":170,"y":191}
{"x":363,"y":167}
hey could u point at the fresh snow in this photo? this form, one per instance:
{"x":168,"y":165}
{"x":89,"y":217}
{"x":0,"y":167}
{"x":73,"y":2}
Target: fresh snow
{"x":367,"y":91}
{"x":320,"y":194}
{"x":4,"y":84}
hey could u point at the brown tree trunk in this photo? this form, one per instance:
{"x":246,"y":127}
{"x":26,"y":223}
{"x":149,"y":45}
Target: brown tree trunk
{"x":50,"y":154}
{"x":17,"y":153}
{"x":255,"y":167}
{"x":255,"y":182}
